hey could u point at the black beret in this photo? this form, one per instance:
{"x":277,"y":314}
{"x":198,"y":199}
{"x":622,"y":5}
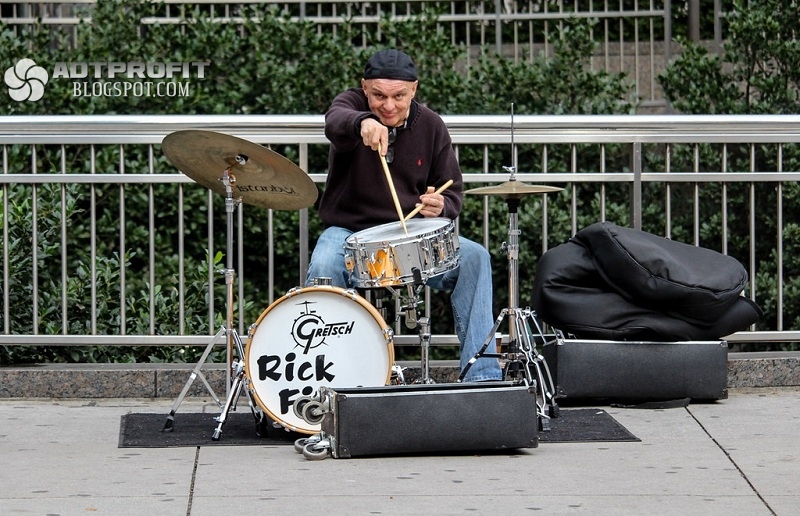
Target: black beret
{"x":390,"y":64}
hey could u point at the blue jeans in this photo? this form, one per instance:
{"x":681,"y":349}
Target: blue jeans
{"x":471,"y":298}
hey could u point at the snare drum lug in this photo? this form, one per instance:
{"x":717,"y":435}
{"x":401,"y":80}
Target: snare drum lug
{"x":415,"y":272}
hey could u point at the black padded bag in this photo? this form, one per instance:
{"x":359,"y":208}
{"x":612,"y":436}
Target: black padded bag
{"x":694,"y":283}
{"x":571,"y":294}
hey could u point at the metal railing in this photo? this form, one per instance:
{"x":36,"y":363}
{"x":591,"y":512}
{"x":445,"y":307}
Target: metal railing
{"x":633,"y":35}
{"x":477,"y":140}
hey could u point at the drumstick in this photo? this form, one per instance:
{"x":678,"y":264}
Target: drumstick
{"x":440,"y":190}
{"x":391,"y":188}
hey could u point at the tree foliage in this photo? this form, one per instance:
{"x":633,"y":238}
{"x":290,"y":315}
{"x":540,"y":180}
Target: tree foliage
{"x":758,"y":71}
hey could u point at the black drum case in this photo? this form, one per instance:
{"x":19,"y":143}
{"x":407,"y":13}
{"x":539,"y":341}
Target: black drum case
{"x":405,"y":419}
{"x":638,"y":370}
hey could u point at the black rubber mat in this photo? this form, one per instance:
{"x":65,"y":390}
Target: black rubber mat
{"x":144,"y":430}
{"x":585,"y":425}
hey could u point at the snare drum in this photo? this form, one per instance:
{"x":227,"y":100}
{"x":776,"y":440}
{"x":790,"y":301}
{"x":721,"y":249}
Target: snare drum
{"x":386,"y":256}
{"x":315,"y":336}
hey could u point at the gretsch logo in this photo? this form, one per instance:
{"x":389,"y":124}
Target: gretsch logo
{"x":310,"y":330}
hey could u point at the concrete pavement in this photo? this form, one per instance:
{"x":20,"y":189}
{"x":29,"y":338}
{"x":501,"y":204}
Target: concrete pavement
{"x":730,"y":457}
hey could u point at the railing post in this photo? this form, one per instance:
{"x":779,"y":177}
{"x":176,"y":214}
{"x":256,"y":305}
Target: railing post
{"x":498,"y":27}
{"x":636,"y":186}
{"x":303,"y":224}
{"x":667,"y":42}
{"x":694,"y":21}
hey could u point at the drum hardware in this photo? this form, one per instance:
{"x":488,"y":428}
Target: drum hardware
{"x":409,"y":303}
{"x":524,"y":363}
{"x":409,"y":306}
{"x":377,"y":302}
{"x":398,"y":377}
{"x":235,"y":391}
{"x":266,"y":179}
{"x":398,"y":372}
{"x":313,"y":409}
{"x":316,"y":447}
{"x":424,"y":345}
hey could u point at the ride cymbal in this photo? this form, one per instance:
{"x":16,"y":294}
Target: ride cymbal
{"x":259,"y":176}
{"x":513,"y":190}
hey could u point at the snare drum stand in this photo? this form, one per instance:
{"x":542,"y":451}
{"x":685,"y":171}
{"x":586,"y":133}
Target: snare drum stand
{"x":409,"y":304}
{"x":235,"y":377}
{"x":525,"y":363}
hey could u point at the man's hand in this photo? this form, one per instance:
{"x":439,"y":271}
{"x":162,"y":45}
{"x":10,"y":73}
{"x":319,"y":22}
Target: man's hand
{"x":432,"y":203}
{"x":374,"y":133}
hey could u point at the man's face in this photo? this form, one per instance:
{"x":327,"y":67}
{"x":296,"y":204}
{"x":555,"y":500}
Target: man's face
{"x":389,"y":99}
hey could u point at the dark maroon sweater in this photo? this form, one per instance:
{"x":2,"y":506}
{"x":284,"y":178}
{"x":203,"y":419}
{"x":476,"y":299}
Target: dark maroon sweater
{"x":357,"y":195}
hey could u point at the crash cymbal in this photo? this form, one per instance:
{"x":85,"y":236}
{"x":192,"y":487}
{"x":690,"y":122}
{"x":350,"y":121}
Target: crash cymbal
{"x":260,"y":176}
{"x":513,"y":190}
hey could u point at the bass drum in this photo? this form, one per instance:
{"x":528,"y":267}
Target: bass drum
{"x":312,"y":337}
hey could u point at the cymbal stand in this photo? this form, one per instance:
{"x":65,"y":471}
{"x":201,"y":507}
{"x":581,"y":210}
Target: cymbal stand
{"x":235,"y":377}
{"x":524,"y":363}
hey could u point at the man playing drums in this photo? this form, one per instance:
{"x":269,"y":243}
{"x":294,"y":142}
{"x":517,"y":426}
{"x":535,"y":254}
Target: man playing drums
{"x":382,"y":119}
